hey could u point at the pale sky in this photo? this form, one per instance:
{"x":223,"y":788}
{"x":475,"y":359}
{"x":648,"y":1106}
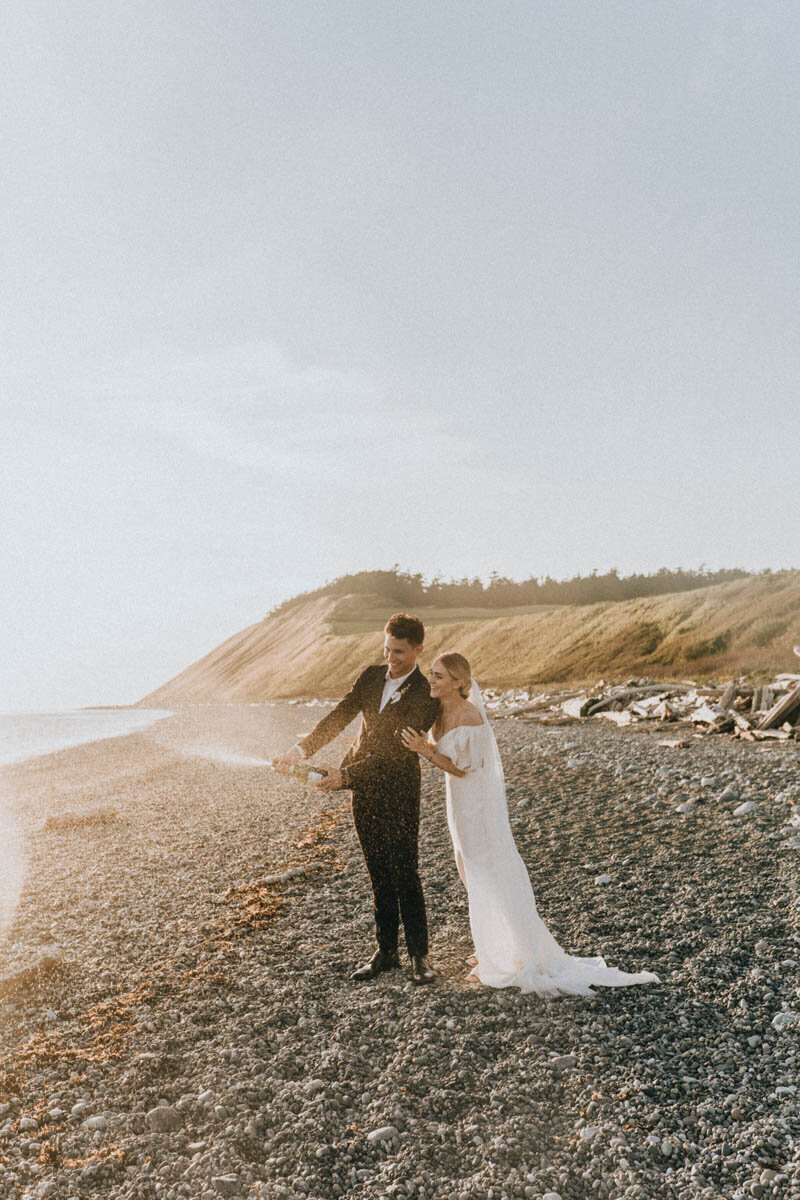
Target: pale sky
{"x":293,"y":290}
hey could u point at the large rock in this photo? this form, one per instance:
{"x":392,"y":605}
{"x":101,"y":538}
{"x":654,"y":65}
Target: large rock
{"x":226,"y":1185}
{"x":564,"y":1062}
{"x":785,"y":1020}
{"x":164,"y":1119}
{"x":384,"y":1134}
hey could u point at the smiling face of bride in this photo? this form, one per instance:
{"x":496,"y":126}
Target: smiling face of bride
{"x":448,"y":686}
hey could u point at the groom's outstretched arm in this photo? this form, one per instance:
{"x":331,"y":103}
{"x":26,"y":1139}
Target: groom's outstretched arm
{"x":334,"y":722}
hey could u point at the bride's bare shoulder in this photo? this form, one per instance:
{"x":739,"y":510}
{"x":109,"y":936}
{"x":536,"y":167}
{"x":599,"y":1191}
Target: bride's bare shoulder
{"x":470,"y":715}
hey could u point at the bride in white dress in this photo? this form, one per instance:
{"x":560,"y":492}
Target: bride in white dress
{"x":513,"y":946}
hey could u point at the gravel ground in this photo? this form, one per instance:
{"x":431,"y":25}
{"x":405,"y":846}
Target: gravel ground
{"x":196,"y":1034}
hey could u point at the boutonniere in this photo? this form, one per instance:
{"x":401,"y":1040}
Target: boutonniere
{"x":397,"y":696}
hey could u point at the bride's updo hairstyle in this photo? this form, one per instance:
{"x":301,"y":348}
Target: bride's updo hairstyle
{"x":458,"y":668}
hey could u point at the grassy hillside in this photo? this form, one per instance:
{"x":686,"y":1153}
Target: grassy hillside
{"x":317,"y":647}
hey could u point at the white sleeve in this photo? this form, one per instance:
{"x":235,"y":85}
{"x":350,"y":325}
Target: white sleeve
{"x":467,"y":751}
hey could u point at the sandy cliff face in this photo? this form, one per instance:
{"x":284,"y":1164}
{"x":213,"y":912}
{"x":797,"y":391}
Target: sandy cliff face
{"x":748,"y":625}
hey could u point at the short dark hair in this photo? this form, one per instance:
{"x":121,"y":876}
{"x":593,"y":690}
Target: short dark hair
{"x":402,"y":625}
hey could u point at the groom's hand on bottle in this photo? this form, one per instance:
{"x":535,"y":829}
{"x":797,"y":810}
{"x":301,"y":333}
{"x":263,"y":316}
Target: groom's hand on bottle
{"x":332,"y":781}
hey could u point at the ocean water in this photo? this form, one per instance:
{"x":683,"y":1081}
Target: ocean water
{"x":28,"y":735}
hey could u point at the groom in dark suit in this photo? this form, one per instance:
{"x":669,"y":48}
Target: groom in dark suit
{"x":385,"y":781}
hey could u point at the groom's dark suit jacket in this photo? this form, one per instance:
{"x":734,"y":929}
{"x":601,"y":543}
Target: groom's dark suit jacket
{"x":379,"y":760}
{"x":385,"y":781}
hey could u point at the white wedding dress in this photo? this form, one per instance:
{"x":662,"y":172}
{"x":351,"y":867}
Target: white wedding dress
{"x":513,"y":946}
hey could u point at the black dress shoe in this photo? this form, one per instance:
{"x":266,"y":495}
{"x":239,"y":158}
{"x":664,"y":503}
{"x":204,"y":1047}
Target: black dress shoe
{"x":382,"y":960}
{"x":421,"y":969}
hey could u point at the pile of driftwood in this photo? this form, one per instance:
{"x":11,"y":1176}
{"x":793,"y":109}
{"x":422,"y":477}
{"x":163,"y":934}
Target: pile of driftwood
{"x":767,"y":713}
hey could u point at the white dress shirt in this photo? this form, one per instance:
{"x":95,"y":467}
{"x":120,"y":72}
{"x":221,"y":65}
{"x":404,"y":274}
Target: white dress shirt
{"x":393,"y":685}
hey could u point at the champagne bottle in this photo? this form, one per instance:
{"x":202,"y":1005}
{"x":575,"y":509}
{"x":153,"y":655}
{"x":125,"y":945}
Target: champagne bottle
{"x":308,"y":774}
{"x":304,"y":772}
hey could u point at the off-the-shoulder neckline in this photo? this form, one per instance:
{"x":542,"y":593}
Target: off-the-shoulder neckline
{"x":455,"y":727}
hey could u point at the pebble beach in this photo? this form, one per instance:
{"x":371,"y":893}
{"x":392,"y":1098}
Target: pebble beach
{"x":177,"y":1017}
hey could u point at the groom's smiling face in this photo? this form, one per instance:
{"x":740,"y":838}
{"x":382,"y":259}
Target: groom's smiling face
{"x":401,"y":655}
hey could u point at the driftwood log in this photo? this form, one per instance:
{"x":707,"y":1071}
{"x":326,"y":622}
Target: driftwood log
{"x":768,"y":713}
{"x":782,"y":710}
{"x":653,"y":689}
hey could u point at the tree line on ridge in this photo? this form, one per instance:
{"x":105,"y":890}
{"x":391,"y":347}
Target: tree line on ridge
{"x":409,"y":590}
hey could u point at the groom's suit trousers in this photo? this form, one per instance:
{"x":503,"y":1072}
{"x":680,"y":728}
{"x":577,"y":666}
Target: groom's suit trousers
{"x":388,"y":829}
{"x":384,"y":778}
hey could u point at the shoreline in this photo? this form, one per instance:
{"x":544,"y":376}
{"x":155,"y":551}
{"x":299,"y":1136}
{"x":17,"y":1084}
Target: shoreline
{"x":26,"y":736}
{"x":206,"y":919}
